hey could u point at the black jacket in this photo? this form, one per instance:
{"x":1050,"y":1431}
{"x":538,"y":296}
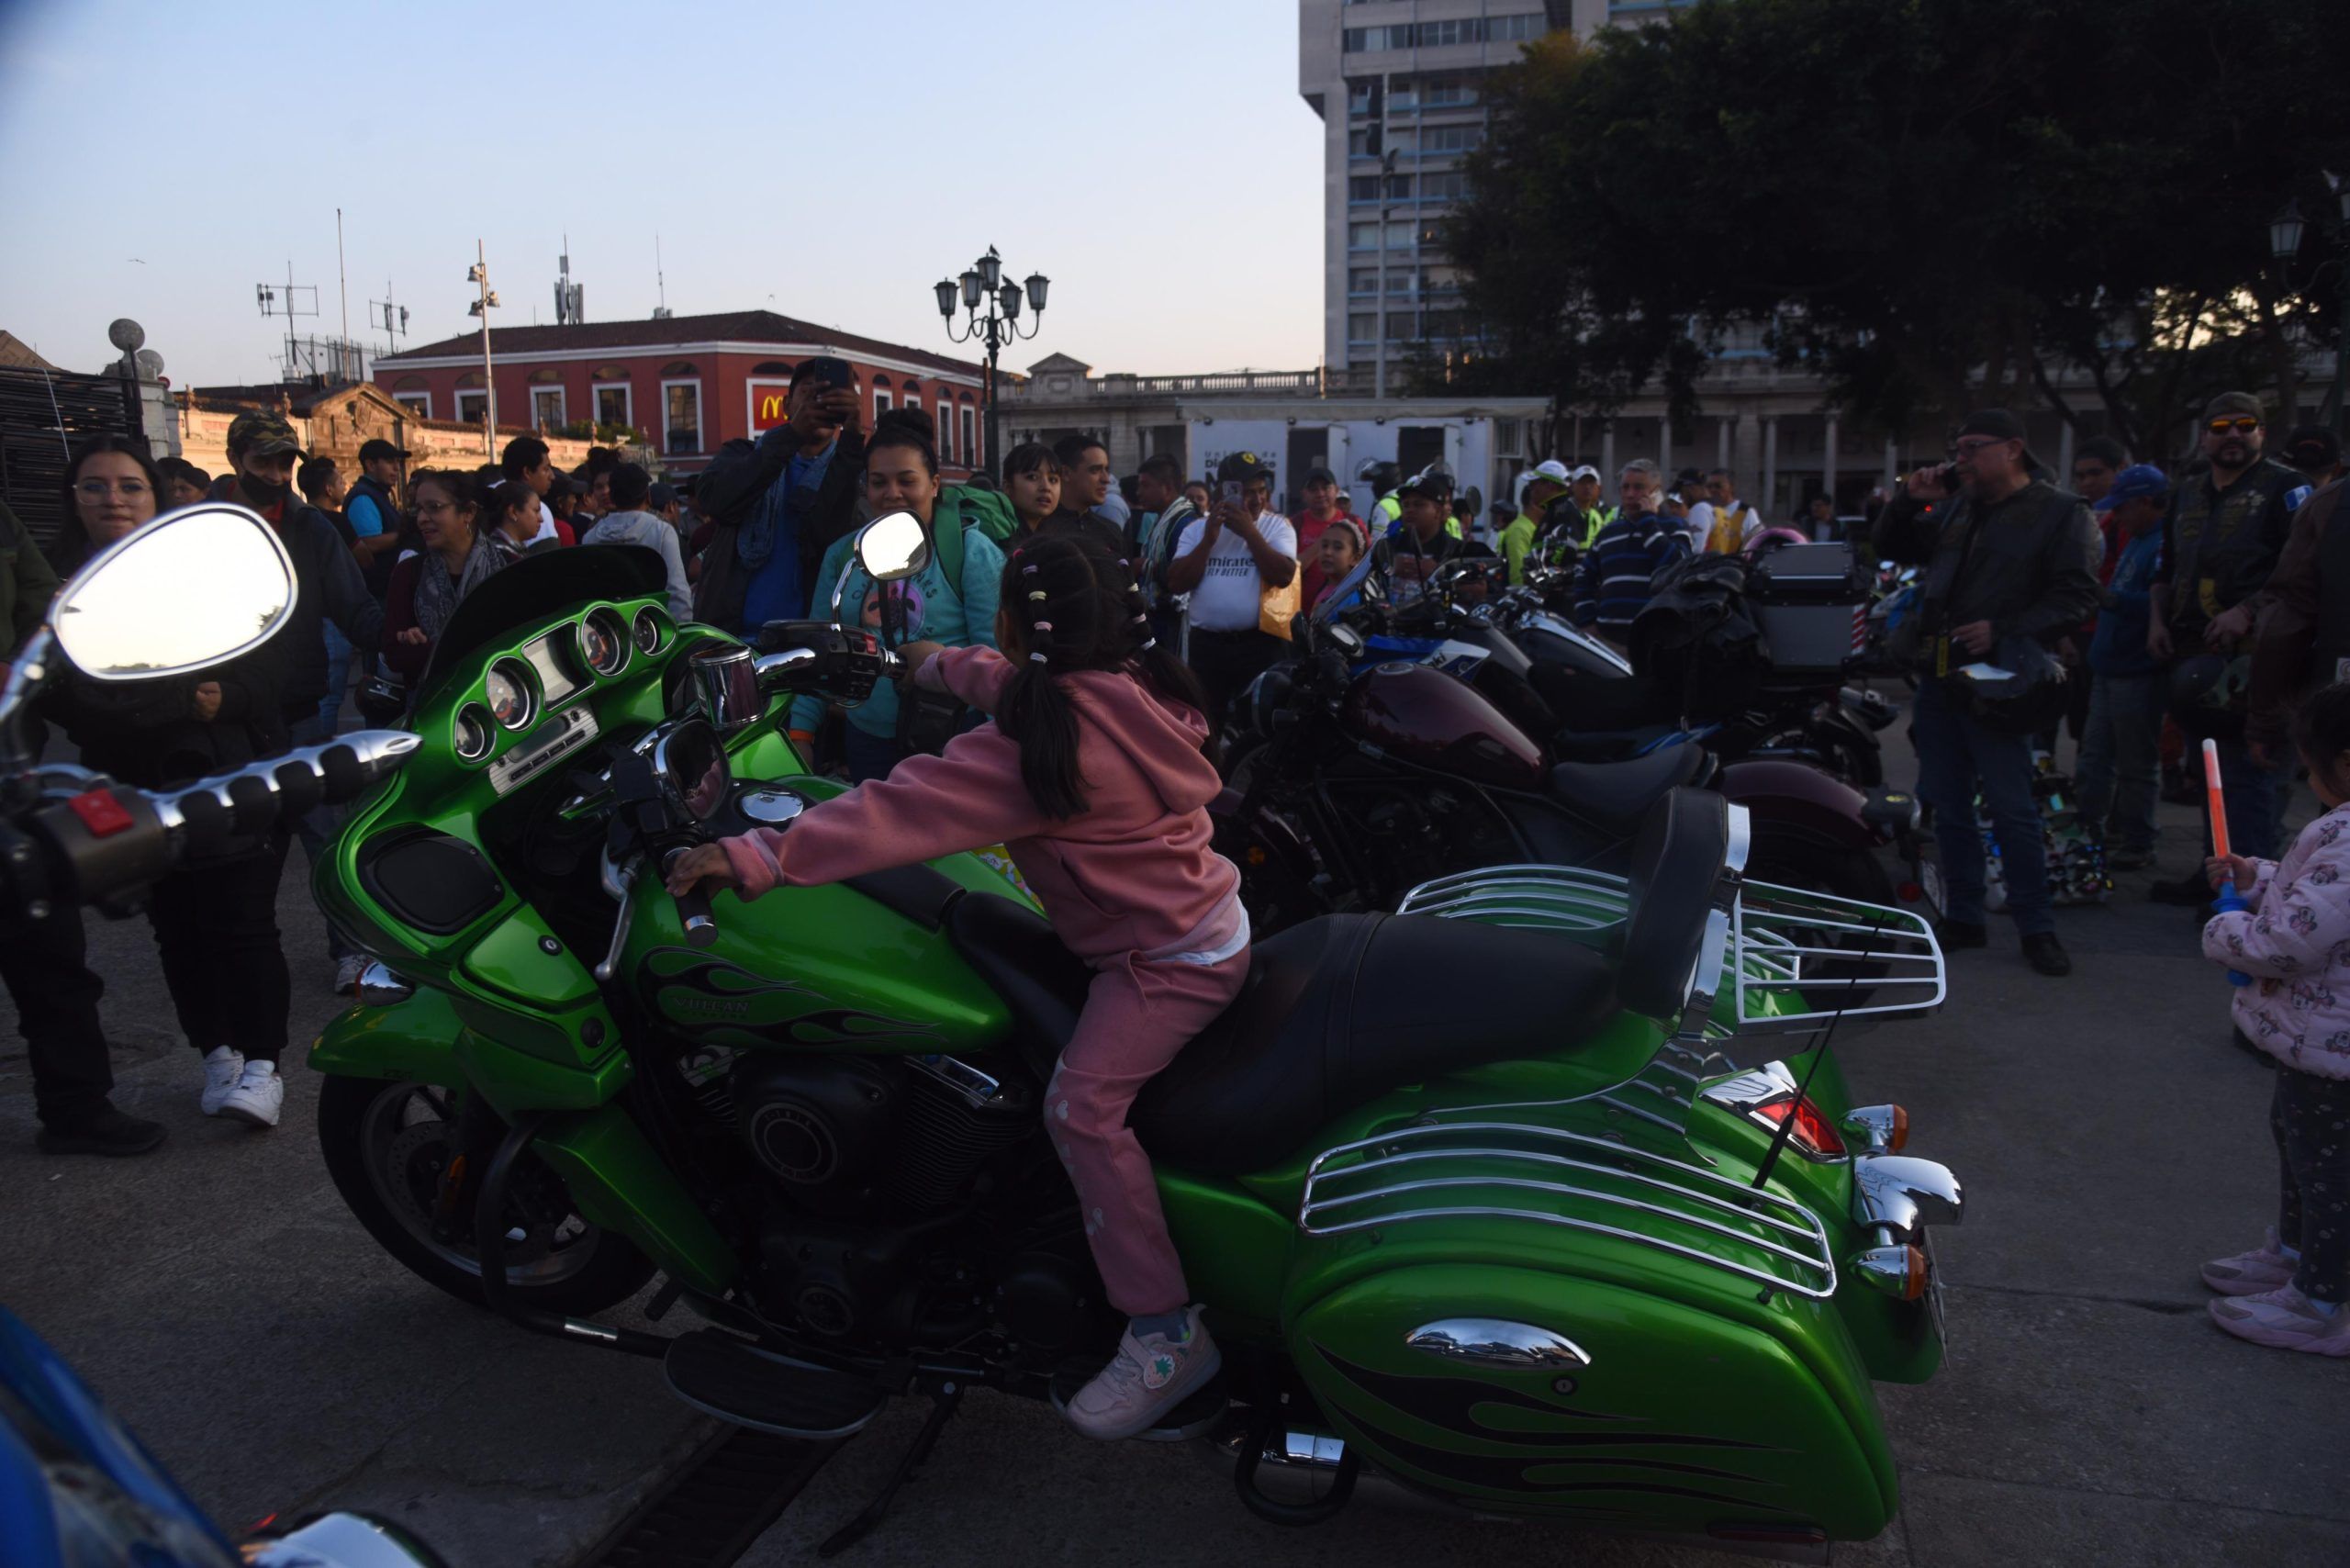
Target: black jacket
{"x":146,"y":732}
{"x":2031,"y":571}
{"x":328,"y":587}
{"x":728,"y":493}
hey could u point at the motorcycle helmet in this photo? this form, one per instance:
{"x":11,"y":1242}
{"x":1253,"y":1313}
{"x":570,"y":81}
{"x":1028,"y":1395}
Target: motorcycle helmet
{"x":1380,"y":474}
{"x":2210,"y":695}
{"x":2030,"y":691}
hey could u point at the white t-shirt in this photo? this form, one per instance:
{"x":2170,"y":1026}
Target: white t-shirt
{"x":1229,"y":590}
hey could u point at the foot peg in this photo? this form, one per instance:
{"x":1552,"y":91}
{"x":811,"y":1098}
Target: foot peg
{"x":739,"y":1382}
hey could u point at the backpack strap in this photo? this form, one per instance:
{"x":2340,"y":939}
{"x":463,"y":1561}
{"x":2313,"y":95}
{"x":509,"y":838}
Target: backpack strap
{"x":949,"y":541}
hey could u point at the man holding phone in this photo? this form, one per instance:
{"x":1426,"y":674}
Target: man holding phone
{"x":2007,"y":556}
{"x":779,"y":505}
{"x":1225,"y":560}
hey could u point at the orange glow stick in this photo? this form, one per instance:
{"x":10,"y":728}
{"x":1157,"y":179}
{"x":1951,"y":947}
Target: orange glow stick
{"x":2219,"y":806}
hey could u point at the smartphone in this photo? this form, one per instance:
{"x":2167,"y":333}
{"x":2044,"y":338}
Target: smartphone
{"x":1229,"y":490}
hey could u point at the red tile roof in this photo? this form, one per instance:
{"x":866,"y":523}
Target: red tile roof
{"x":732,"y":326}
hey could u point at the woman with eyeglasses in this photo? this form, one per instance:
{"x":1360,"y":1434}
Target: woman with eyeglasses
{"x":460,"y":554}
{"x":216,"y":923}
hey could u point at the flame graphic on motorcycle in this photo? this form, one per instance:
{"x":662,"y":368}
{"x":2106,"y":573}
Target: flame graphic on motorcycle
{"x":720,"y":1002}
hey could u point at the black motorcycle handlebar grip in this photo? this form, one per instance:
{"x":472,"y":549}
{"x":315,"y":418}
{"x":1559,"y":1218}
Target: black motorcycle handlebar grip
{"x":208,"y":822}
{"x":298,"y":790}
{"x":693,"y":914}
{"x":254,"y":803}
{"x":344,"y":775}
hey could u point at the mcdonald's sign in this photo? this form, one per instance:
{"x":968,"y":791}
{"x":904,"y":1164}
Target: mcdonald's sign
{"x":767,"y":405}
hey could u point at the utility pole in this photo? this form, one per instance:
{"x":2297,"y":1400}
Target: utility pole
{"x":479,"y":274}
{"x":341,"y":275}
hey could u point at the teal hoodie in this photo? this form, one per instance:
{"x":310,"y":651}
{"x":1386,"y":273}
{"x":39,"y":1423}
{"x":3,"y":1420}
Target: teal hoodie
{"x":962,"y":618}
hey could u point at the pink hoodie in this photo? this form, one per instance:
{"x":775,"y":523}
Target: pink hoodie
{"x":1131,"y":873}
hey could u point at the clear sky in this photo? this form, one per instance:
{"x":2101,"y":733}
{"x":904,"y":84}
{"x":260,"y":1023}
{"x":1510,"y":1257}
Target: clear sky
{"x":157,"y":158}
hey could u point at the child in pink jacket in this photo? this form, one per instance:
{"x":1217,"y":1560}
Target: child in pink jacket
{"x":2294,"y":940}
{"x":1095,"y":776}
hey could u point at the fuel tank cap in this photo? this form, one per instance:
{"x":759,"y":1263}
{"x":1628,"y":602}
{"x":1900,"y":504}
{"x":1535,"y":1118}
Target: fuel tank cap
{"x":770,"y":806}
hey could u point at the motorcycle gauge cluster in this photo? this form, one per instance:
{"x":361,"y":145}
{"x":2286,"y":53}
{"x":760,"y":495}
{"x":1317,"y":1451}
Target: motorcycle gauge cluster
{"x":508,"y":689}
{"x":648,"y":633}
{"x":474,"y":734}
{"x":604,"y":643}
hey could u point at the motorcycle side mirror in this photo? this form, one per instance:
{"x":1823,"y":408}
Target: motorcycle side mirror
{"x":690,"y":765}
{"x":190,"y":589}
{"x":893,"y":548}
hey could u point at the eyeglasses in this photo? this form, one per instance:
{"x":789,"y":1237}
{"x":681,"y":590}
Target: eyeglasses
{"x":99,"y":489}
{"x":1969,"y":448}
{"x":2243,"y":424}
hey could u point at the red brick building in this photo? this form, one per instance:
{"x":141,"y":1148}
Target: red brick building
{"x":686,"y":384}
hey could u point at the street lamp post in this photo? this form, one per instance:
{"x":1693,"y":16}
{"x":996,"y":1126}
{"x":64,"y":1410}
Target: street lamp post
{"x":985,"y":282}
{"x":479,"y":274}
{"x":2285,"y":232}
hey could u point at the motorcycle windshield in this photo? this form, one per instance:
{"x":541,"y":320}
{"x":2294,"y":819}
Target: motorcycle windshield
{"x":538,"y":587}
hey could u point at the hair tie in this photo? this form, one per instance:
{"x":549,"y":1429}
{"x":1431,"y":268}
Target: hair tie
{"x":1148,"y":644}
{"x":1029,"y":570}
{"x":1038,"y":593}
{"x":1035,"y":658}
{"x":1041,"y":626}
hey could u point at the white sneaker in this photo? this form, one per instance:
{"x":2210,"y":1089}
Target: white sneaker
{"x":259,"y":1097}
{"x":347,"y":970}
{"x":221,"y":1066}
{"x":1149,"y":1376}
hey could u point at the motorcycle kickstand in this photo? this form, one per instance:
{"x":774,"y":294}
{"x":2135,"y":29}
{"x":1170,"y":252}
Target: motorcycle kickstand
{"x":943,"y":1406}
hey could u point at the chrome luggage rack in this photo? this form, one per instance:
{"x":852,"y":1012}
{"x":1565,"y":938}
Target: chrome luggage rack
{"x":1538,"y":1175}
{"x":1782,"y":940}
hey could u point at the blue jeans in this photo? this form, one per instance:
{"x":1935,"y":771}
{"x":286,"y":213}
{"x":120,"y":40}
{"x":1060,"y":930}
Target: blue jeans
{"x":1954,"y":756}
{"x":339,"y":656}
{"x":2255,"y":800}
{"x":2120,"y":771}
{"x":868,"y":756}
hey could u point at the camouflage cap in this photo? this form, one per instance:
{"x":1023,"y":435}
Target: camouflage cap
{"x":261,"y":435}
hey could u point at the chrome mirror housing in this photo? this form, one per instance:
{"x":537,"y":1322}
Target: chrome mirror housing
{"x":1905,"y":1194}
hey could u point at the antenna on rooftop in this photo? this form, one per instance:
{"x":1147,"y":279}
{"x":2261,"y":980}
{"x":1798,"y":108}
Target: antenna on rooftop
{"x":570,"y":299}
{"x":660,"y":284}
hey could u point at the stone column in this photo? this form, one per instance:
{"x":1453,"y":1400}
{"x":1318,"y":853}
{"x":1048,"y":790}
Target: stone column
{"x":1721,"y":440}
{"x":1665,"y":445}
{"x":1770,"y":501}
{"x":1607,"y":462}
{"x":1827,"y":463}
{"x":2063,"y":454}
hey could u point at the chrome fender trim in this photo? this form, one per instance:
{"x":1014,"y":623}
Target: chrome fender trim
{"x":1496,"y":1342}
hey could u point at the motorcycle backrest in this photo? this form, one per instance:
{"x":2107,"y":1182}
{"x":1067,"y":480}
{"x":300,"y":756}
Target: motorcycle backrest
{"x":1678,"y":858}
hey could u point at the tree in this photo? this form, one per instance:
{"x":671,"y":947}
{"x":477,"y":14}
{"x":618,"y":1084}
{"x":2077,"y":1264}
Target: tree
{"x":1927,"y":201}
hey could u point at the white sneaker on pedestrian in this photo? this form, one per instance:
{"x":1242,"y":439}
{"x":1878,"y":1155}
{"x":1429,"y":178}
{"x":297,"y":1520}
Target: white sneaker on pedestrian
{"x":222,"y":1066}
{"x":259,"y":1097}
{"x":347,"y":970}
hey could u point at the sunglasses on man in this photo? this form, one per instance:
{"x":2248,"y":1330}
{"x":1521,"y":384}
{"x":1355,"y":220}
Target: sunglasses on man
{"x":2243,"y":424}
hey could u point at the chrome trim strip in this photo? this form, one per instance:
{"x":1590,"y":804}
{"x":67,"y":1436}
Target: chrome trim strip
{"x":1496,"y":1342}
{"x":1728,"y":1223}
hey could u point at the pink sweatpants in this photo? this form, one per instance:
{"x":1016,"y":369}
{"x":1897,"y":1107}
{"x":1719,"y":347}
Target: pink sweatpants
{"x":1138,"y":1014}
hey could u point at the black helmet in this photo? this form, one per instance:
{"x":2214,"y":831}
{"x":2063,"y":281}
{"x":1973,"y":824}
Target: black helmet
{"x":2209,"y":696}
{"x":1380,"y":474}
{"x":2031,"y":692}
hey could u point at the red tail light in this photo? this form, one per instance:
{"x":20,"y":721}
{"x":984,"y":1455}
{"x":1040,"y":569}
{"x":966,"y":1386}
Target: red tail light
{"x":1811,"y":1134}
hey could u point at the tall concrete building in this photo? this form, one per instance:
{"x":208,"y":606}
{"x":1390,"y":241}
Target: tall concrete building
{"x":1400,"y":85}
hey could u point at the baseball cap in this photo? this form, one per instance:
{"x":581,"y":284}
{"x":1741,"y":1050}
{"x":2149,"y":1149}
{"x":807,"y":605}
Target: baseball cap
{"x":1243,"y":465}
{"x":2001,"y":425}
{"x":662,"y":495}
{"x":2138,"y":481}
{"x":1584,"y":471}
{"x":370,"y":451}
{"x":1550,"y":468}
{"x":2235,"y":403}
{"x":1320,"y":476}
{"x":262,"y":435}
{"x":2312,"y":446}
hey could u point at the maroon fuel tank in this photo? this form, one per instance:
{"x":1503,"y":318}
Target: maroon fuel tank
{"x":1426,"y":717}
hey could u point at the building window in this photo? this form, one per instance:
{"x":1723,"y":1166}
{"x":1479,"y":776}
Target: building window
{"x":1512,"y":28}
{"x":1399,"y":282}
{"x":1362,"y":328}
{"x":547,"y":408}
{"x":1362,"y":280}
{"x":1362,"y":187}
{"x":682,"y":402}
{"x":417,"y":403}
{"x":880,"y":396}
{"x":615,"y":406}
{"x":944,"y":418}
{"x":972,"y":456}
{"x":1452,"y":138}
{"x":1444,"y":185}
{"x":472,"y":407}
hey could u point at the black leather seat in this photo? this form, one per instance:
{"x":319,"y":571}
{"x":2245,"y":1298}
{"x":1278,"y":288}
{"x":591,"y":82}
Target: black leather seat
{"x":1618,"y":795}
{"x":1336,"y":1012}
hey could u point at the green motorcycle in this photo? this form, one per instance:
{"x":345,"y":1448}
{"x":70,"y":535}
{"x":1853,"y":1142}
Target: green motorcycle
{"x":1499,"y":1200}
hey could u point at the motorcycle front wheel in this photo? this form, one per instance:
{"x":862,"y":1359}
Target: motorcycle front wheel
{"x":386,"y":1145}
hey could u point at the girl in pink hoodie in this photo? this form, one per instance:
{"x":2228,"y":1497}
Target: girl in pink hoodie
{"x":1095,"y":775}
{"x":2293,"y":938}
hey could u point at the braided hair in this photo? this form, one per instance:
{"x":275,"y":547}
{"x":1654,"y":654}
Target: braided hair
{"x":1075,"y":604}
